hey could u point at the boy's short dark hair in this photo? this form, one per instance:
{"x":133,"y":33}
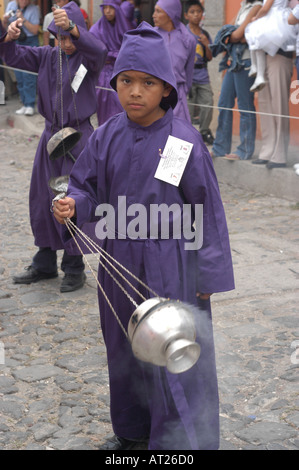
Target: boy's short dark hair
{"x":191,"y":3}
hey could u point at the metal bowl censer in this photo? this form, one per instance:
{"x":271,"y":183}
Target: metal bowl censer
{"x":163,"y":333}
{"x":62,"y":143}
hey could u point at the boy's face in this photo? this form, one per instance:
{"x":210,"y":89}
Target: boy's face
{"x":109,"y":13}
{"x":194,"y":15}
{"x":67,"y":45}
{"x":140,"y":95}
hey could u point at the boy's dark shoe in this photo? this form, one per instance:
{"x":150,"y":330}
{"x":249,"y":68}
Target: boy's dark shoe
{"x":208,"y":138}
{"x":32,"y":275}
{"x":72,"y":282}
{"x":119,"y":443}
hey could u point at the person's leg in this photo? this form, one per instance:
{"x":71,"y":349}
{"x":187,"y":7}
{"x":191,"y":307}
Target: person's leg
{"x":297,"y":66}
{"x":206,"y":112}
{"x":253,"y":68}
{"x":280,"y":71}
{"x":29,"y":90}
{"x":247,"y":119}
{"x":20,"y":87}
{"x":260,"y":80}
{"x":74,"y":277}
{"x":223,"y":139}
{"x":43,"y":266}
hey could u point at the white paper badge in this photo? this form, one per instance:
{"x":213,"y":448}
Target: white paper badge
{"x":173,"y":160}
{"x":78,"y":78}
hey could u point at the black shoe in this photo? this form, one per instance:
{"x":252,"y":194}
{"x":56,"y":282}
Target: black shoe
{"x":119,"y":443}
{"x":259,"y":161}
{"x":271,"y":165}
{"x":208,"y":138}
{"x":72,"y":282}
{"x":32,"y":275}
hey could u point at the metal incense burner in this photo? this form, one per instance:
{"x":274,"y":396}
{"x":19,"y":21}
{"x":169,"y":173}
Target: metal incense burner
{"x":62,"y":143}
{"x":162,"y":332}
{"x":59,"y":185}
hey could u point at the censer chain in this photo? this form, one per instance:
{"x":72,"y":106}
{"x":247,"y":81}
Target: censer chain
{"x":73,"y":229}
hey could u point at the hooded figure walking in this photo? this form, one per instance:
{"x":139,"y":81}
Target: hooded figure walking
{"x":149,"y":404}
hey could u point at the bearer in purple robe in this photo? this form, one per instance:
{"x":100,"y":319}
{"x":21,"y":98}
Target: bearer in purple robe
{"x":110,"y":28}
{"x":181,"y":48}
{"x":117,"y":170}
{"x":80,"y":49}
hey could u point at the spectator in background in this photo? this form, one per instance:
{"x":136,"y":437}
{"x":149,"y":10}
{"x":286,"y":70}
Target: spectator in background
{"x":181,"y":46}
{"x":267,"y":33}
{"x":201,"y":91}
{"x":273,"y":100}
{"x":30,"y":16}
{"x":237,"y":84}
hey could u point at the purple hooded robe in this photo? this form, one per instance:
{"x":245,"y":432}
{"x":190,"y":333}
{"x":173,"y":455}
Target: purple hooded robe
{"x":90,"y":52}
{"x":111,"y":35}
{"x":181,"y":47}
{"x":176,"y":411}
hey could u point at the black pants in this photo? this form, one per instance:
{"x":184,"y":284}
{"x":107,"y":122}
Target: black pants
{"x":45,"y":260}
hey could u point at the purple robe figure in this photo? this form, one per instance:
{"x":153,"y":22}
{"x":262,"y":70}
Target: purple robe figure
{"x":117,"y":167}
{"x":111,"y":34}
{"x":181,"y":46}
{"x":129,"y":10}
{"x":77,"y":110}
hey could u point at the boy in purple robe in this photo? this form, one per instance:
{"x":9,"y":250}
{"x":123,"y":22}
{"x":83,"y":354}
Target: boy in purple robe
{"x":79,"y":47}
{"x":148,"y":403}
{"x":181,"y":47}
{"x":110,"y":29}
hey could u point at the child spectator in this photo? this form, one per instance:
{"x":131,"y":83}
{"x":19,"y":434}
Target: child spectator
{"x":201,"y":91}
{"x":171,"y":411}
{"x":268,"y":32}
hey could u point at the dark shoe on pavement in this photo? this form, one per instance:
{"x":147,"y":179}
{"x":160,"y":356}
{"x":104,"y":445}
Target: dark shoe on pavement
{"x":208,"y":138}
{"x":72,"y":282}
{"x":32,"y":275}
{"x":259,"y":161}
{"x":119,"y":443}
{"x":271,"y":165}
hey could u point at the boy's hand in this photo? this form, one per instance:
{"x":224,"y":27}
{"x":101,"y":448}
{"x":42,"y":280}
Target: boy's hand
{"x":64,"y":208}
{"x":14,"y":30}
{"x":204,"y":40}
{"x":60,"y":18}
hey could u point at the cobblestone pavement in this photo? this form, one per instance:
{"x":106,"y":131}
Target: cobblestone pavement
{"x":53,"y":379}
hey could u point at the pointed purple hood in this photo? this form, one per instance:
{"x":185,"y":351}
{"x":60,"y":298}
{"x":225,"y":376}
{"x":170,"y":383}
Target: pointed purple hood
{"x":74,"y":13}
{"x":173,"y":8}
{"x":111,"y":35}
{"x":143,"y":49}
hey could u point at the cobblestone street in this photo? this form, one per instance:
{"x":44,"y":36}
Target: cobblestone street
{"x":53,"y":379}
